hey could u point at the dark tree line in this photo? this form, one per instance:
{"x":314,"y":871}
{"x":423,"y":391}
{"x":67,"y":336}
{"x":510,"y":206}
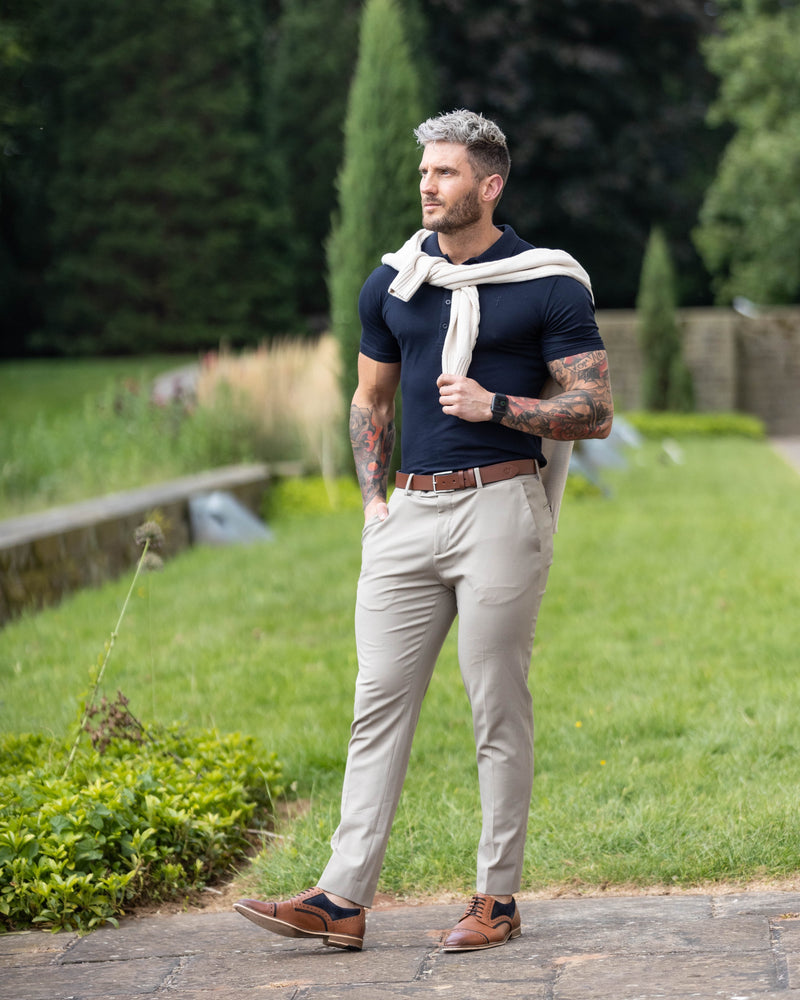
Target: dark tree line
{"x":158,"y":206}
{"x":168,"y":170}
{"x":604,"y":103}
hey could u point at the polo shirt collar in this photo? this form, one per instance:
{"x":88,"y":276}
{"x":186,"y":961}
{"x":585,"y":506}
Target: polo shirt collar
{"x":499,"y":250}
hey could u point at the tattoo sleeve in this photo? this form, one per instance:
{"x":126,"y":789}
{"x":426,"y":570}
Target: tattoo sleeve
{"x":583,"y":410}
{"x":373,"y":444}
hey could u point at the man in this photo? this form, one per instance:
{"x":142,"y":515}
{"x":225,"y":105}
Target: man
{"x":470,"y":321}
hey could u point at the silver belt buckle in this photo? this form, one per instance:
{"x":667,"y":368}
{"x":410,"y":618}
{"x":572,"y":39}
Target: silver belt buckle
{"x":435,"y":487}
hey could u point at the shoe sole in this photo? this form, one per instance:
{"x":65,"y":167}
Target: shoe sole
{"x":515,"y":933}
{"x":289,"y":930}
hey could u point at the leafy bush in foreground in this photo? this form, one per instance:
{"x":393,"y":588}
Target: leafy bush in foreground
{"x":143,"y":821}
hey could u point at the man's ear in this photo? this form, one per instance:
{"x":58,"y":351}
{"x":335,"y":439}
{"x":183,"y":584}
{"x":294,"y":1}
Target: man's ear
{"x":492,"y":187}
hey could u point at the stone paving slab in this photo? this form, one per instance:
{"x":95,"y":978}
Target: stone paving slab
{"x":655,"y":976}
{"x":33,"y":942}
{"x":784,"y":904}
{"x":687,"y":947}
{"x":102,"y":981}
{"x":182,"y":934}
{"x":303,"y":967}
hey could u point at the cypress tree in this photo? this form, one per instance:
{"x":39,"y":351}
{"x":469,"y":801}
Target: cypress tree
{"x":379,"y":205}
{"x":167,"y":222}
{"x":666,"y":381}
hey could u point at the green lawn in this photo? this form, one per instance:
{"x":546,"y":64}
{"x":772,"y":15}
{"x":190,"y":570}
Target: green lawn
{"x":72,"y":429}
{"x":664,"y":676}
{"x":51,"y":387}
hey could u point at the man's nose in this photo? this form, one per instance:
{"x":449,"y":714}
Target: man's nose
{"x":427,"y":186}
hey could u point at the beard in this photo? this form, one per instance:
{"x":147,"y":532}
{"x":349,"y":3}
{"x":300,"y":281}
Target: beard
{"x":465,"y":212}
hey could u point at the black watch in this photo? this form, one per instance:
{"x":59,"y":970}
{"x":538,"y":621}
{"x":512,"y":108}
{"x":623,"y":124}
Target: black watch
{"x":499,"y":407}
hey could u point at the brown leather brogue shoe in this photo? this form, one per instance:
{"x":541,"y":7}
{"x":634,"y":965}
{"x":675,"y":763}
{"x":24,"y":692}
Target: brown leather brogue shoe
{"x":309,"y":914}
{"x":487,"y":923}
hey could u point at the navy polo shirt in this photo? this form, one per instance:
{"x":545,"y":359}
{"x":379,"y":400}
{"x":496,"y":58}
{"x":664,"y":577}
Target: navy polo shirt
{"x":523,"y":326}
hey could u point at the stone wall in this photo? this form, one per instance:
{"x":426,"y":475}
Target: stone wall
{"x":46,"y":555}
{"x":737,"y":363}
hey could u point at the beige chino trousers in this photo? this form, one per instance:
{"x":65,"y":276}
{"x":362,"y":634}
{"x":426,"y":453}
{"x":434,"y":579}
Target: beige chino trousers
{"x":482,"y":554}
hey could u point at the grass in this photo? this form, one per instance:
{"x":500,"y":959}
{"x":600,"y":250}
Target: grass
{"x":51,"y":387}
{"x":664,"y":677}
{"x":76,"y":429}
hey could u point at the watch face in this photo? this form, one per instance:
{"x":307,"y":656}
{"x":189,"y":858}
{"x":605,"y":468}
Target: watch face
{"x":499,"y":406}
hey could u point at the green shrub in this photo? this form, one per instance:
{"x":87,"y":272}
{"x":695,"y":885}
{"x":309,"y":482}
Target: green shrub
{"x":663,"y":425}
{"x":143,"y":821}
{"x":579,"y":487}
{"x":310,"y":495}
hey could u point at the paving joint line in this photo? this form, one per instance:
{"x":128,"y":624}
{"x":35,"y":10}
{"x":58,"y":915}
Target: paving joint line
{"x":778,"y":955}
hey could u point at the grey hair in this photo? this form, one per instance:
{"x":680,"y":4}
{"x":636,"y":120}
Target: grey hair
{"x":486,"y":144}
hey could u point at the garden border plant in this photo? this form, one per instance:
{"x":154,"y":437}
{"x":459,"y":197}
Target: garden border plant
{"x":126,"y":815}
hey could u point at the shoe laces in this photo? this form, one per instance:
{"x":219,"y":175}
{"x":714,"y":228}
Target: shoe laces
{"x":475,"y":907}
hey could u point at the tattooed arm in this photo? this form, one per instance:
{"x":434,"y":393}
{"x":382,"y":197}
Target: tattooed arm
{"x":584,"y":408}
{"x":372,"y":431}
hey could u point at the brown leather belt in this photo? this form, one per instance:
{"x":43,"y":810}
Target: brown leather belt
{"x":463,"y":479}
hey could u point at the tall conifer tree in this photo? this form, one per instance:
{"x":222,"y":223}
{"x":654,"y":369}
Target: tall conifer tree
{"x":379,"y":204}
{"x":666,"y":382}
{"x":167,"y":223}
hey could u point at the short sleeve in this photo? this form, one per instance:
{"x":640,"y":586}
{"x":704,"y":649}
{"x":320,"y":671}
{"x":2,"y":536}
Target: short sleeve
{"x":377,"y":340}
{"x":570,"y":327}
